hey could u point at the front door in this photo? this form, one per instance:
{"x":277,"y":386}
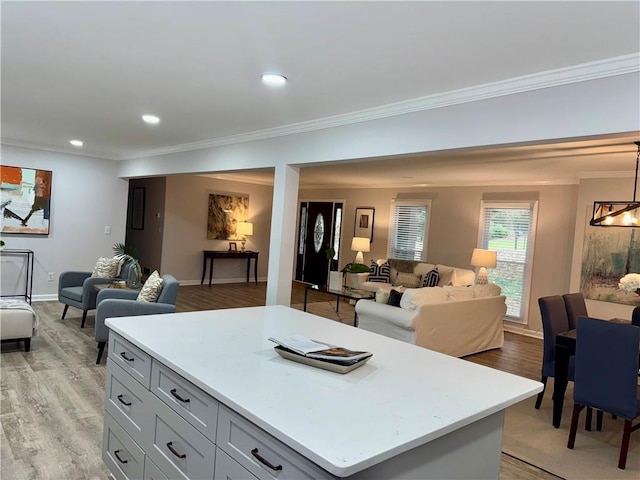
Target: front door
{"x":316,"y":237}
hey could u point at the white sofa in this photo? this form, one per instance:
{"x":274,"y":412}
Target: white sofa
{"x":454,"y":320}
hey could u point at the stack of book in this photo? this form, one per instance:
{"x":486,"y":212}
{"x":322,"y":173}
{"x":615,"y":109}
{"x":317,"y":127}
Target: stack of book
{"x":317,"y":354}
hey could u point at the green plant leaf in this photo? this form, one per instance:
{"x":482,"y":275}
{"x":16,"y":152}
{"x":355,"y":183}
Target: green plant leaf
{"x":120,"y":250}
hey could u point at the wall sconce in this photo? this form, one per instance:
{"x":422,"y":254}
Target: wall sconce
{"x":618,"y":213}
{"x":244,"y":229}
{"x":360,"y":244}
{"x":483,"y":259}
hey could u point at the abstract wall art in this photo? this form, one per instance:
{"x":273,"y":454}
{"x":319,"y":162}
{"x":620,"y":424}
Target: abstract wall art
{"x":25,"y":200}
{"x":608,"y":254}
{"x":224,"y":212}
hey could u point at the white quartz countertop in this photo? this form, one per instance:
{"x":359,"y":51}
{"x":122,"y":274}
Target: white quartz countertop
{"x":403,"y":397}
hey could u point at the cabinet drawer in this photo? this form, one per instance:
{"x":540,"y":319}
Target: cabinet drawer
{"x":130,"y":358}
{"x":228,"y":469}
{"x":194,"y":405}
{"x":177,"y":447}
{"x":152,"y":472}
{"x":246,"y":444}
{"x":128,"y":402}
{"x":120,"y":453}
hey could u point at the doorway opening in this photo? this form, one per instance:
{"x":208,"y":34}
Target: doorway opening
{"x":319,"y":227}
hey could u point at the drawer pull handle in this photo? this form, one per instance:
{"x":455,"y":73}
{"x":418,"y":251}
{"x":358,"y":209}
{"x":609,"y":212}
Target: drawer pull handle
{"x":118,"y":457}
{"x":173,"y":450}
{"x":124,"y":355}
{"x":173,"y":392}
{"x":128,"y":404}
{"x":264,"y":461}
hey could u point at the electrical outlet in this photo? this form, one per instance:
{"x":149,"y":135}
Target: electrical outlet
{"x":50,"y":277}
{"x":107,"y":230}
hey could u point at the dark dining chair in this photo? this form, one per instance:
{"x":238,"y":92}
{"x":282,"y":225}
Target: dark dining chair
{"x":635,"y":317}
{"x":575,"y":306}
{"x":554,"y":321}
{"x":606,"y":375}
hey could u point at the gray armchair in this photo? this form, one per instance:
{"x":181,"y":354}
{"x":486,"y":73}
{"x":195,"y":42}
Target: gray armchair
{"x":115,"y":302}
{"x":78,"y":290}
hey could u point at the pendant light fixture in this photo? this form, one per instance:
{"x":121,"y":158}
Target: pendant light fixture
{"x":619,"y":213}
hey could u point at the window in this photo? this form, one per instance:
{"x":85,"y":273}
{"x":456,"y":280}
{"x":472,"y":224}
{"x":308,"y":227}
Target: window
{"x":509,"y":229}
{"x":409,"y":225}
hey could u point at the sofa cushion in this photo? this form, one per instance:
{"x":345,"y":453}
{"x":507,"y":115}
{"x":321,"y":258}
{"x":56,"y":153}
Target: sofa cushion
{"x":107,"y":267}
{"x":412,"y":298}
{"x":151,"y":288}
{"x":379,"y":273}
{"x":423,"y":268}
{"x":395,"y":297}
{"x":431,"y":279}
{"x":408,"y":280}
{"x":459,"y":293}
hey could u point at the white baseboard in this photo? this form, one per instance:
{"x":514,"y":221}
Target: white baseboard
{"x":508,"y":327}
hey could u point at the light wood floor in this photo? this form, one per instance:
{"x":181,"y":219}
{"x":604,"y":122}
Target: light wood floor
{"x":52,"y":397}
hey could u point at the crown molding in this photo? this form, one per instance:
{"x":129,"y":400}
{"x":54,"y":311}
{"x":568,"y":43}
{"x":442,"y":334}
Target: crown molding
{"x":552,"y":78}
{"x":53,"y":148}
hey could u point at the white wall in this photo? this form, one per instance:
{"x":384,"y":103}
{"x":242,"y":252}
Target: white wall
{"x":185,"y":228}
{"x":86,"y":196}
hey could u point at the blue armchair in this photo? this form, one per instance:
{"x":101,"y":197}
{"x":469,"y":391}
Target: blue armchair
{"x":115,"y":302}
{"x":78,"y":290}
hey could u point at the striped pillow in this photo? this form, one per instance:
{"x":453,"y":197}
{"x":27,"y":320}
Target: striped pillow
{"x":379,"y":273}
{"x":431,"y":279}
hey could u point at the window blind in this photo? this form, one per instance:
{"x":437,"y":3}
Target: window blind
{"x":408,"y":230}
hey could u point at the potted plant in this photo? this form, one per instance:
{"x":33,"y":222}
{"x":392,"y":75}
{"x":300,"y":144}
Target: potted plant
{"x":354,"y":274}
{"x":130,"y":256}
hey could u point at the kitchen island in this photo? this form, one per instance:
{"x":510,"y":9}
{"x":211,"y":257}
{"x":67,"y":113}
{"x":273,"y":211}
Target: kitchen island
{"x":408,"y":412}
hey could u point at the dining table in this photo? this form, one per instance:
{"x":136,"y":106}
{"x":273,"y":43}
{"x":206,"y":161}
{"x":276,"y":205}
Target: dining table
{"x":565,"y":347}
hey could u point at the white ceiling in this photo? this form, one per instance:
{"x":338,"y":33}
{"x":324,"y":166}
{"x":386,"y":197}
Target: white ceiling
{"x":89,"y":70}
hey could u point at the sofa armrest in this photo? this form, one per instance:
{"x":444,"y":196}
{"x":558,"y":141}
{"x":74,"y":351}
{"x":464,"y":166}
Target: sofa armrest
{"x":400,"y":317}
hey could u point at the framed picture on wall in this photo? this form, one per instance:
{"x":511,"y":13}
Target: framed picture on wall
{"x":364,"y":222}
{"x":25,"y":201}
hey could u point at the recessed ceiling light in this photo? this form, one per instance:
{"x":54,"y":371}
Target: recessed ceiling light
{"x":274,"y":79}
{"x":76,"y":143}
{"x":152,"y":119}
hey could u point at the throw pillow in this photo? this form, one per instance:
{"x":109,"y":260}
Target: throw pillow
{"x":431,"y":279}
{"x":408,"y":280}
{"x":395,"y":297}
{"x":151,"y":288}
{"x":379,"y":273}
{"x":106,"y":268}
{"x":382,"y":296}
{"x":447,"y":276}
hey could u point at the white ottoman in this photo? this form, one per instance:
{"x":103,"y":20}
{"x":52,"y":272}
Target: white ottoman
{"x":17,"y":322}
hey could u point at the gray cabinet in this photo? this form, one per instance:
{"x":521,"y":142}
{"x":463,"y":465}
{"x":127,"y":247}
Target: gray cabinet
{"x":158,"y":425}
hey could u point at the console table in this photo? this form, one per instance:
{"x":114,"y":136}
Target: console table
{"x":211,"y":255}
{"x":204,"y":395}
{"x":28,"y":281}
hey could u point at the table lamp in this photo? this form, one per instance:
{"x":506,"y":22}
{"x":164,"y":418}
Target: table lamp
{"x":359,"y":244}
{"x":244,"y":229}
{"x":483,"y":259}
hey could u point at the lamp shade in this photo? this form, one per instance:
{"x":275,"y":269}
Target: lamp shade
{"x":360,"y":244}
{"x":244,"y":228}
{"x":484,"y":258}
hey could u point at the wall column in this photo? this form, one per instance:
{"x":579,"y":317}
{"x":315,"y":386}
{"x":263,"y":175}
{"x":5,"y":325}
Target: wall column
{"x":283,"y":235}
